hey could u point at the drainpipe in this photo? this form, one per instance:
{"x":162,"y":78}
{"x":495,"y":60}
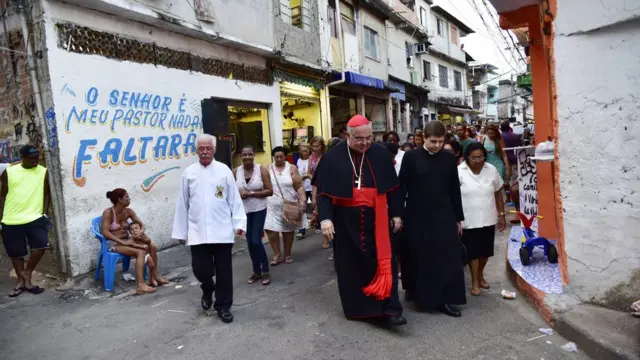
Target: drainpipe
{"x":55,"y":200}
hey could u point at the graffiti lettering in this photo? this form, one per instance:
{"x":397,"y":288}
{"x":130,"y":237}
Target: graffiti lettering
{"x":115,"y":151}
{"x":52,"y":134}
{"x":528,"y":183}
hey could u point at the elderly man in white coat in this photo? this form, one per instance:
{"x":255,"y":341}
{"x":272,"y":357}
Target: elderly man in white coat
{"x":209,"y":213}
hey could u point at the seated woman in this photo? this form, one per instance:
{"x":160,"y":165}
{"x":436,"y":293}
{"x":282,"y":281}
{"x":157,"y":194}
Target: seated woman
{"x":116,"y":228}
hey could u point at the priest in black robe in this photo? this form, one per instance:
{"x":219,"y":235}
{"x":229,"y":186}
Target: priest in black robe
{"x":359,"y":205}
{"x":434,"y":275}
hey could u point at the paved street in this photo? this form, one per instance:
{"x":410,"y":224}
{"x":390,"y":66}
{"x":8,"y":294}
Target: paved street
{"x":297,"y":317}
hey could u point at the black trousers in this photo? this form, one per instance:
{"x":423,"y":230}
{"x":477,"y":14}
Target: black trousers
{"x":208,"y":260}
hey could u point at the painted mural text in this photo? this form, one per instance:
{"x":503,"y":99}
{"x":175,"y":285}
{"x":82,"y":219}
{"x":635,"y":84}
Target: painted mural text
{"x":128,"y":109}
{"x":120,"y":110}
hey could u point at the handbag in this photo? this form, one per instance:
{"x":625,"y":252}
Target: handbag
{"x":291,"y":211}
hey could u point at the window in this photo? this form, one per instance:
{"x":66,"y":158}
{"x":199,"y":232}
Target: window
{"x":426,"y":70}
{"x":440,"y":26}
{"x":409,"y":54}
{"x":454,"y":35}
{"x":457,"y":80}
{"x":371,"y":46}
{"x":348,"y":25}
{"x":423,"y":17}
{"x":331,"y":18}
{"x":443,"y":76}
{"x":296,"y":12}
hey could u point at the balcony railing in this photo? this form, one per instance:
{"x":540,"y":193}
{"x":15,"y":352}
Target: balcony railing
{"x":524,"y":80}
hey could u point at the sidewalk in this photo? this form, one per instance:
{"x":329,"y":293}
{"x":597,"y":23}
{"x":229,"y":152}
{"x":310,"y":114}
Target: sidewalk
{"x":599,"y":332}
{"x":297,"y":317}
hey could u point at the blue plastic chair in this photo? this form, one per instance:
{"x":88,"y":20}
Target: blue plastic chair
{"x":109,"y":258}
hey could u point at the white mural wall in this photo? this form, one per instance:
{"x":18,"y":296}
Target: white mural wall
{"x":133,"y":126}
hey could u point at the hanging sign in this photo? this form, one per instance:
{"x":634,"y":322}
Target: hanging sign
{"x":528,"y":184}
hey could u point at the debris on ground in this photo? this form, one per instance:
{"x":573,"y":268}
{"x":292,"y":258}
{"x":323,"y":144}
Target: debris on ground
{"x":510,"y":295}
{"x":635,"y":309}
{"x":128,"y":277}
{"x":546,"y":331}
{"x":570,"y":347}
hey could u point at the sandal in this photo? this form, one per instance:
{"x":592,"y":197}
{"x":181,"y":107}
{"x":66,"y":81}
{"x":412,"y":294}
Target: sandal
{"x":288,"y":260}
{"x":35,"y":290}
{"x":476,"y":293}
{"x":485,"y":285}
{"x":150,"y":290}
{"x":275,"y":261}
{"x":266,"y":279}
{"x":254,"y":278}
{"x":17,"y":291}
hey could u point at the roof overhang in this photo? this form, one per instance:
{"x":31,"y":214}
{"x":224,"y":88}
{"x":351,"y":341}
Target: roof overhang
{"x":503,"y":6}
{"x":447,"y":15}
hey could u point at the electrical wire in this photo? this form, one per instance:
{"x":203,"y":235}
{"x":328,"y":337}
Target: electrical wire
{"x":477,"y":10}
{"x":515,"y":47}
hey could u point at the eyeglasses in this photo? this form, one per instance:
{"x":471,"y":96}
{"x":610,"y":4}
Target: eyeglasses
{"x":363,"y":139}
{"x":476,"y":158}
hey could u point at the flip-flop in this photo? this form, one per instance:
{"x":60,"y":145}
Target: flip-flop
{"x":150,"y":291}
{"x":477,"y":294}
{"x":16,"y":292}
{"x":485,"y":286}
{"x":35,"y":290}
{"x":275,"y":262}
{"x":288,"y":260}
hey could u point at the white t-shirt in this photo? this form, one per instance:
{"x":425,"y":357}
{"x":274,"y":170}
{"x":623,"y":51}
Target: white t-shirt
{"x":398,"y":159}
{"x":478,"y":195}
{"x":303,"y":169}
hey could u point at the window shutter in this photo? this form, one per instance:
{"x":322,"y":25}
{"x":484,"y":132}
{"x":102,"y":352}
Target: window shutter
{"x":306,"y":17}
{"x":285,"y":11}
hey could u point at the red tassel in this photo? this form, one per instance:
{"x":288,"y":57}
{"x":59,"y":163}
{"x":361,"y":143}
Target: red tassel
{"x":380,"y":286}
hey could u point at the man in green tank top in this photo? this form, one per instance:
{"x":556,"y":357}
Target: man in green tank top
{"x":24,"y":199}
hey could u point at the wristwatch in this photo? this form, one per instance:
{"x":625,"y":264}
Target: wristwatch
{"x":251,"y":192}
{"x":501,"y":214}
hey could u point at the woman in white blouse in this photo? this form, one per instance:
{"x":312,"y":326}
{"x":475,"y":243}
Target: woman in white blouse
{"x":481,"y":188}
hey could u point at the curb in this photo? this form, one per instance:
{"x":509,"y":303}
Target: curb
{"x":562,"y":321}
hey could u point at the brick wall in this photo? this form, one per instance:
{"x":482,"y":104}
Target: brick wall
{"x":18,"y":114}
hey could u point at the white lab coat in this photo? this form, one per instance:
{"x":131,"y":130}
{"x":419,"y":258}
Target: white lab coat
{"x":209,"y":208}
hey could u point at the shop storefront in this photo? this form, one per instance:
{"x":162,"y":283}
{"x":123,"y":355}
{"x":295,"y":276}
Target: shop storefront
{"x":360,"y":94}
{"x":248,"y":125}
{"x":301,"y":104}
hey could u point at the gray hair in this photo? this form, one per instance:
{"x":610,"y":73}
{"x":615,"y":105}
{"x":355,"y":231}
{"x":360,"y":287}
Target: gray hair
{"x":207,"y":138}
{"x":351,"y":129}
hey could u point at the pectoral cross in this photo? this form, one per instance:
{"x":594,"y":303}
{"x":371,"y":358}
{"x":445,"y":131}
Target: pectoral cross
{"x":358,"y":182}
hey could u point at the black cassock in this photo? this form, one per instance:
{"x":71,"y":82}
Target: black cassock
{"x":354,"y":242}
{"x":434,"y":270}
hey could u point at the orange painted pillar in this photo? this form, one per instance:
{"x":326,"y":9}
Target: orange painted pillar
{"x":546,"y":122}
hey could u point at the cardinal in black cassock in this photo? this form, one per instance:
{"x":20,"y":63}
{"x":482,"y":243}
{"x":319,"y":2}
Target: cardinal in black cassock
{"x":432,"y":271}
{"x":358,"y":200}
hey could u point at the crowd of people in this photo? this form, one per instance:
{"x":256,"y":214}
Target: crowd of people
{"x":413,"y":213}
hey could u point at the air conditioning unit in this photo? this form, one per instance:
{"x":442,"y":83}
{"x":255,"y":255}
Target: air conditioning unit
{"x":422,"y":49}
{"x":410,"y":62}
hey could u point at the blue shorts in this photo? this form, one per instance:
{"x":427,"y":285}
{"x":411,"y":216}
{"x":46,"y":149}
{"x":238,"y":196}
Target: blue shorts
{"x":16,"y":237}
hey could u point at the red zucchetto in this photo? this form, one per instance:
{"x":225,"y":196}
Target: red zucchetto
{"x":357,"y":120}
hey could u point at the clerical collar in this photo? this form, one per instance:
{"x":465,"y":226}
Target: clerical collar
{"x":429,"y":152}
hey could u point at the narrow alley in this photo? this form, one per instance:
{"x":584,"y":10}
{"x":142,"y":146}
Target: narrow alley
{"x":297,"y":317}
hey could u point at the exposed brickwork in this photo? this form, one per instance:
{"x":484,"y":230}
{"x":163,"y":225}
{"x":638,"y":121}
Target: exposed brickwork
{"x":18,"y":117}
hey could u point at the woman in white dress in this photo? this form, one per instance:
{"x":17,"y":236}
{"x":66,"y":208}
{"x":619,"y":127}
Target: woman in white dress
{"x":304,"y":169}
{"x":287,"y":185}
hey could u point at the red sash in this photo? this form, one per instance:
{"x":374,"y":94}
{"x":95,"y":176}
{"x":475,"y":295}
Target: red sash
{"x":380,"y":286}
